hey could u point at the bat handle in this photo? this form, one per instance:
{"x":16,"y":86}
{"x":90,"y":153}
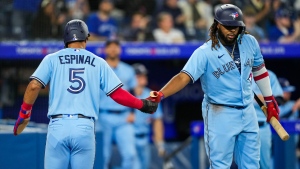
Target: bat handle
{"x":277,"y":126}
{"x":153,"y":94}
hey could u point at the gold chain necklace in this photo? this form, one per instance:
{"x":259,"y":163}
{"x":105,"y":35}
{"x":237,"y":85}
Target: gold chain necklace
{"x":231,"y":54}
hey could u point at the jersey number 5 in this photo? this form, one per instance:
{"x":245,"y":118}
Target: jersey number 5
{"x":74,"y":78}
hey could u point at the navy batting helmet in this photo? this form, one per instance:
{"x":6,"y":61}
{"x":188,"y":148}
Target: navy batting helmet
{"x":139,"y":69}
{"x":229,"y":15}
{"x":75,"y":30}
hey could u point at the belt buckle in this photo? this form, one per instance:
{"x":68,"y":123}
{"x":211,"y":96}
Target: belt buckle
{"x":70,"y":116}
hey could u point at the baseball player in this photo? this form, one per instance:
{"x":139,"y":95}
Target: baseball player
{"x":142,"y":122}
{"x":287,"y":109}
{"x":264,"y":128}
{"x":225,"y":65}
{"x":75,"y":77}
{"x":117,"y":120}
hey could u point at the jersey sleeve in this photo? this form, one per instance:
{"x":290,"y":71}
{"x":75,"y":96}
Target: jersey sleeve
{"x":196,"y":65}
{"x":258,"y":57}
{"x":275,"y":85}
{"x":43,"y":72}
{"x":109,"y":82}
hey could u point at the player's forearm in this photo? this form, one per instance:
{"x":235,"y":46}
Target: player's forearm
{"x":158,"y":130}
{"x":32,"y":92}
{"x":124,"y":98}
{"x":178,"y":82}
{"x":262,"y":80}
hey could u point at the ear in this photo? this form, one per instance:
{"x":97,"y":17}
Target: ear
{"x":218,"y":25}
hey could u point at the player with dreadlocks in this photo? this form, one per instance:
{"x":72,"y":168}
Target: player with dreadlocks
{"x":225,"y":65}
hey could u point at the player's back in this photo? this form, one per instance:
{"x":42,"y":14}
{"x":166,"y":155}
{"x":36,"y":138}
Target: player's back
{"x":75,"y":80}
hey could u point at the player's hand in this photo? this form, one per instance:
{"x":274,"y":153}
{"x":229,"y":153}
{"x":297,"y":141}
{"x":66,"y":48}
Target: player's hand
{"x":156,"y":96}
{"x":160,"y":146}
{"x":148,"y":106}
{"x":24,"y":116}
{"x":272,"y":108}
{"x":130,"y":118}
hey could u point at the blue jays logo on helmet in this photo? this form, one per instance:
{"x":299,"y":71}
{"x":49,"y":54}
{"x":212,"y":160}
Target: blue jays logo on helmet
{"x":74,"y":37}
{"x":234,"y":15}
{"x":229,"y":15}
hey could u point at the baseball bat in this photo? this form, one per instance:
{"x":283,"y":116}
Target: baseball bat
{"x":22,"y":126}
{"x":167,"y":157}
{"x":273,"y":121}
{"x":153,"y":94}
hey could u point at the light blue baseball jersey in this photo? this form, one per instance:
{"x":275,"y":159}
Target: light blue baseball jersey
{"x":142,"y":120}
{"x":221,"y":81}
{"x":127,"y":76}
{"x":76,"y":78}
{"x":276,"y":90}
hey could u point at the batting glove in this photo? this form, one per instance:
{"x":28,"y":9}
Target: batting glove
{"x":157,"y":96}
{"x":272,"y":108}
{"x":148,"y":106}
{"x":25,"y":113}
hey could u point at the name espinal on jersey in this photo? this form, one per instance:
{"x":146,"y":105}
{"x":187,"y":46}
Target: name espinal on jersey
{"x":76,"y":59}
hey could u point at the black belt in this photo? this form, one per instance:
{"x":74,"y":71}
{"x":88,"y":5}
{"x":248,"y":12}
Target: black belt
{"x":261,"y":123}
{"x":79,"y":116}
{"x":116,"y":111}
{"x":235,"y":107}
{"x":141,"y":135}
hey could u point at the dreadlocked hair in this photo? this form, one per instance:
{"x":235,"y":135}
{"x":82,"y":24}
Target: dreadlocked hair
{"x":213,"y":35}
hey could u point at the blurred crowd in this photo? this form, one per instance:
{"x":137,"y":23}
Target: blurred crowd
{"x":163,"y":21}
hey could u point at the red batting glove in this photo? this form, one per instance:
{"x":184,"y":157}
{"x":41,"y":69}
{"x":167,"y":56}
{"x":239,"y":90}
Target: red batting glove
{"x":156,"y":96}
{"x":25,"y":113}
{"x":272,"y":108}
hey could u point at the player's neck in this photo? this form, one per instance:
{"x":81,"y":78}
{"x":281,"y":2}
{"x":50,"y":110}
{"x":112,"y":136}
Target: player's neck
{"x":77,"y":45}
{"x":113,"y":62}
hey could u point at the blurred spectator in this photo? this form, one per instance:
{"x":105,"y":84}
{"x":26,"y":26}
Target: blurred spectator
{"x":297,"y":5}
{"x":171,"y":7}
{"x":165,"y":33}
{"x":218,"y":3}
{"x":139,"y":29}
{"x":130,"y":7}
{"x":262,"y":9}
{"x":286,"y":109}
{"x":251,"y":27}
{"x":285,"y":31}
{"x":101,"y":25}
{"x":5,"y":18}
{"x":23,"y":14}
{"x":78,"y":9}
{"x":198,"y":18}
{"x":49,"y":20}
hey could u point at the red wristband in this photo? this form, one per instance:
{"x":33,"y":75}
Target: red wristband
{"x":26,"y":106}
{"x":25,"y":116}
